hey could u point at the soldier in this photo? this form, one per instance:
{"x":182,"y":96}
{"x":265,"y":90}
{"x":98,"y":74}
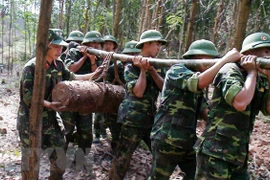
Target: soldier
{"x":143,"y":83}
{"x":174,"y":131}
{"x":74,"y":39}
{"x":110,"y":44}
{"x":80,"y":61}
{"x":52,"y":136}
{"x":114,"y":126}
{"x":129,"y":49}
{"x":240,"y":92}
{"x":101,"y":120}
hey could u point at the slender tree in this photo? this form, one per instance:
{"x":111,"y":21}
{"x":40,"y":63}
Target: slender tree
{"x":61,"y":9}
{"x":156,"y":15}
{"x":3,"y":13}
{"x":217,"y":20}
{"x":241,"y":24}
{"x":161,"y":15}
{"x":39,"y":87}
{"x":143,"y":19}
{"x":116,"y":19}
{"x":191,"y":24}
{"x":182,"y":37}
{"x":68,"y":13}
{"x":148,"y":15}
{"x":86,"y":16}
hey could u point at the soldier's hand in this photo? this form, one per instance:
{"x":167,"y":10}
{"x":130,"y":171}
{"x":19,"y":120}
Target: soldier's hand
{"x":265,"y":72}
{"x":92,"y":58}
{"x":83,"y":50}
{"x":57,"y":106}
{"x":248,"y":63}
{"x":142,"y":63}
{"x":232,"y":55}
{"x":137,"y":61}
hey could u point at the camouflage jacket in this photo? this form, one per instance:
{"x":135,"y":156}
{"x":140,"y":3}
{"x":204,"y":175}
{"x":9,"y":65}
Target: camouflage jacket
{"x":56,"y":72}
{"x":74,"y":55}
{"x":134,"y":111}
{"x":181,"y":102}
{"x":228,"y":132}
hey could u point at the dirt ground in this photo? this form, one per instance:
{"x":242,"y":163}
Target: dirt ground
{"x":99,"y":158}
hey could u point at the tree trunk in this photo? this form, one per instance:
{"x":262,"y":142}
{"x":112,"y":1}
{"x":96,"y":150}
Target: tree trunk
{"x":156,"y":16}
{"x":116,"y":19}
{"x":143,"y":10}
{"x":68,"y":6}
{"x":88,"y":96}
{"x":147,"y":22}
{"x":231,"y":30}
{"x":240,"y":31}
{"x":86,"y":16}
{"x":61,"y":8}
{"x":182,"y":35}
{"x":3,"y":13}
{"x":217,"y":21}
{"x":10,"y":39}
{"x":39,"y":86}
{"x":103,"y":28}
{"x":161,"y":15}
{"x":190,"y":24}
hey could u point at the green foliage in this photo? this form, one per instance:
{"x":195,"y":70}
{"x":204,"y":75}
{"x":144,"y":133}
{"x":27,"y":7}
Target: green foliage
{"x":174,"y":20}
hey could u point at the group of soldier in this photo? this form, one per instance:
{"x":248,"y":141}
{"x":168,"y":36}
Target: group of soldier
{"x":161,"y":105}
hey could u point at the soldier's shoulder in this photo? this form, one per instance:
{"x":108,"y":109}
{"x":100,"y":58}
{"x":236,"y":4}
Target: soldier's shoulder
{"x":230,"y":66}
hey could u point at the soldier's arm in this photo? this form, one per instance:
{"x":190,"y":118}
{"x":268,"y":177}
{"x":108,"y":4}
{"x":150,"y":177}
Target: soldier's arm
{"x":266,"y":72}
{"x":268,"y":97}
{"x":157,"y":78}
{"x":245,"y":96}
{"x":77,"y":65}
{"x":207,"y":76}
{"x":140,"y":85}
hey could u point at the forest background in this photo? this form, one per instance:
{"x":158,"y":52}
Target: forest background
{"x":225,"y":22}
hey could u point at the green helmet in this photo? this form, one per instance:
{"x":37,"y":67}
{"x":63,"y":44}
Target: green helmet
{"x":111,"y":38}
{"x":92,"y":36}
{"x":130,"y":47}
{"x":55,"y":37}
{"x":75,"y":36}
{"x":255,"y":40}
{"x":150,"y":35}
{"x":201,"y":47}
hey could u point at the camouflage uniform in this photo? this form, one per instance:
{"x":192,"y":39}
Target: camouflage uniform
{"x":82,"y":121}
{"x":71,"y":44}
{"x":174,"y":131}
{"x":111,"y":118}
{"x":137,"y":116}
{"x":52,"y":136}
{"x":223,"y":147}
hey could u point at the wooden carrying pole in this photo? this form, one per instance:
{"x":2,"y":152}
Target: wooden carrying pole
{"x":190,"y":63}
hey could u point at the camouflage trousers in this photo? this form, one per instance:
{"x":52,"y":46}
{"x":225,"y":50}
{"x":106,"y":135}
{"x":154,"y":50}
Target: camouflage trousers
{"x":83,"y":124}
{"x":110,"y":121}
{"x":53,"y":143}
{"x":211,"y":168}
{"x":99,"y":124}
{"x":166,"y":157}
{"x":115,"y":129}
{"x":130,"y":138}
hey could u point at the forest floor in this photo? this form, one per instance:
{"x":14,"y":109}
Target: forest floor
{"x":99,"y":159}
